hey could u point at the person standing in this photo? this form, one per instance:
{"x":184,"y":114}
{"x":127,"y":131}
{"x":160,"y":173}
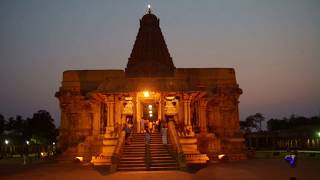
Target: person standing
{"x":142,"y":126}
{"x":146,"y":124}
{"x":164,"y":133}
{"x":159,"y":126}
{"x":128,"y":133}
{"x":150,"y":126}
{"x":147,"y":137}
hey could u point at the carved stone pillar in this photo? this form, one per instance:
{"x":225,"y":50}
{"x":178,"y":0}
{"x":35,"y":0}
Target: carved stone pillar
{"x":96,"y":119}
{"x":160,"y":108}
{"x":162,"y":97}
{"x":118,"y":108}
{"x":138,"y":113}
{"x":202,"y":115}
{"x":110,"y":111}
{"x":187,"y":111}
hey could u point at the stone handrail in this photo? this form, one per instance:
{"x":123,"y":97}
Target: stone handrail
{"x":117,"y":150}
{"x":174,"y":139}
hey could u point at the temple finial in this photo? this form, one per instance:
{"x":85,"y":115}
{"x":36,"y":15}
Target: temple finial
{"x":149,"y":9}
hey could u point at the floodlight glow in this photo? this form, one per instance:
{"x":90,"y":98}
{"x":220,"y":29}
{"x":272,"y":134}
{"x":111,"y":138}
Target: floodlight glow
{"x":79,"y":158}
{"x":53,"y":143}
{"x":220,"y":156}
{"x":6,"y":141}
{"x":149,"y":6}
{"x":318,"y":133}
{"x":150,"y":106}
{"x":150,"y":112}
{"x":27,"y":142}
{"x":150,"y":115}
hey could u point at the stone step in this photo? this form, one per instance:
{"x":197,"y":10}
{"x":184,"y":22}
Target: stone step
{"x":162,"y":168}
{"x":131,"y":161}
{"x":134,"y":150}
{"x":159,"y":151}
{"x":133,"y":154}
{"x":161,"y":158}
{"x":160,"y":155}
{"x":135,"y":145}
{"x":164,"y":161}
{"x":164,"y":164}
{"x":133,"y":158}
{"x":132,"y":165}
{"x":132,"y":169}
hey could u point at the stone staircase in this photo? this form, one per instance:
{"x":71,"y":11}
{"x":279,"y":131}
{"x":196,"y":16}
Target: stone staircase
{"x":139,"y":157}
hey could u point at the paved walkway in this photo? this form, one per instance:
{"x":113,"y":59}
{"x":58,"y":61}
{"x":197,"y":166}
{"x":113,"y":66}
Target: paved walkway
{"x":241,"y":170}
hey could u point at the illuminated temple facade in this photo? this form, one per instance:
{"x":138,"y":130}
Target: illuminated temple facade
{"x":200,"y":105}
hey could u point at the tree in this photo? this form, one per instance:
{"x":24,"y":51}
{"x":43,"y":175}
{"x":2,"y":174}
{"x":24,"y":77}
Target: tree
{"x":277,"y":124}
{"x":255,"y":119}
{"x":41,"y":128}
{"x":2,"y":124}
{"x":245,"y":126}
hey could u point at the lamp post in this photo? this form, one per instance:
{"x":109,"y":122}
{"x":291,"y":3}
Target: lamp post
{"x":6,"y":142}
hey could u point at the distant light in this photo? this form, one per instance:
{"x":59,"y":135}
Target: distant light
{"x":53,"y":143}
{"x":150,"y":112}
{"x":318,"y":133}
{"x":28,"y":142}
{"x":149,"y":6}
{"x":6,"y":141}
{"x":221,"y":156}
{"x":42,"y":153}
{"x":150,"y":115}
{"x":150,"y":106}
{"x":146,"y":94}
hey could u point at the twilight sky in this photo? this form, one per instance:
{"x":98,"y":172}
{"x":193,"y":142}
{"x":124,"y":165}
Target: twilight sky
{"x":274,"y":46}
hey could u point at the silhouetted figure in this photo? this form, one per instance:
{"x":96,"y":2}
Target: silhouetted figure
{"x":164,"y":133}
{"x":147,"y":137}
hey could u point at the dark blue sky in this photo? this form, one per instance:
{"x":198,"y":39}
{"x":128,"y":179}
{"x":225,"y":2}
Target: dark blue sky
{"x":273,"y":45}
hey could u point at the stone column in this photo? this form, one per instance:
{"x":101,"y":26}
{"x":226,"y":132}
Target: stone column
{"x":187,"y":111}
{"x":110,"y":111}
{"x":160,"y":108}
{"x":162,"y":97}
{"x":138,"y":112}
{"x":118,"y":110}
{"x":202,"y":115}
{"x":96,"y":119}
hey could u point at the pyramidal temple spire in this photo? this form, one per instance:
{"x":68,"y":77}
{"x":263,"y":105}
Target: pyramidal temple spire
{"x":150,"y":55}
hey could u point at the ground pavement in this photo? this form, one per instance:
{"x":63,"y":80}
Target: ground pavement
{"x":262,"y":169}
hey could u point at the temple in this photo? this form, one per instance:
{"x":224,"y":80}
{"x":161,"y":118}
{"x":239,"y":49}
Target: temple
{"x":199,"y":106}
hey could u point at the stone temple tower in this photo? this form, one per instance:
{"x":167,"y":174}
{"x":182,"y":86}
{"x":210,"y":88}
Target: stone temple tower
{"x":150,"y":56}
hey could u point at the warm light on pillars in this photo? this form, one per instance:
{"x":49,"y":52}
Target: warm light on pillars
{"x":146,"y":94}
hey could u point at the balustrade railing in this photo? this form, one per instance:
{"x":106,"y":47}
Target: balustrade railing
{"x":176,"y":146}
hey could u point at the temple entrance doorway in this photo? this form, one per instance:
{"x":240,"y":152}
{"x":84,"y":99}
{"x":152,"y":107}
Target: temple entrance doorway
{"x":148,"y":108}
{"x":150,"y":111}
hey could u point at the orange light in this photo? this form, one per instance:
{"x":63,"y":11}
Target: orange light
{"x":79,"y":158}
{"x":220,"y":156}
{"x":146,"y":94}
